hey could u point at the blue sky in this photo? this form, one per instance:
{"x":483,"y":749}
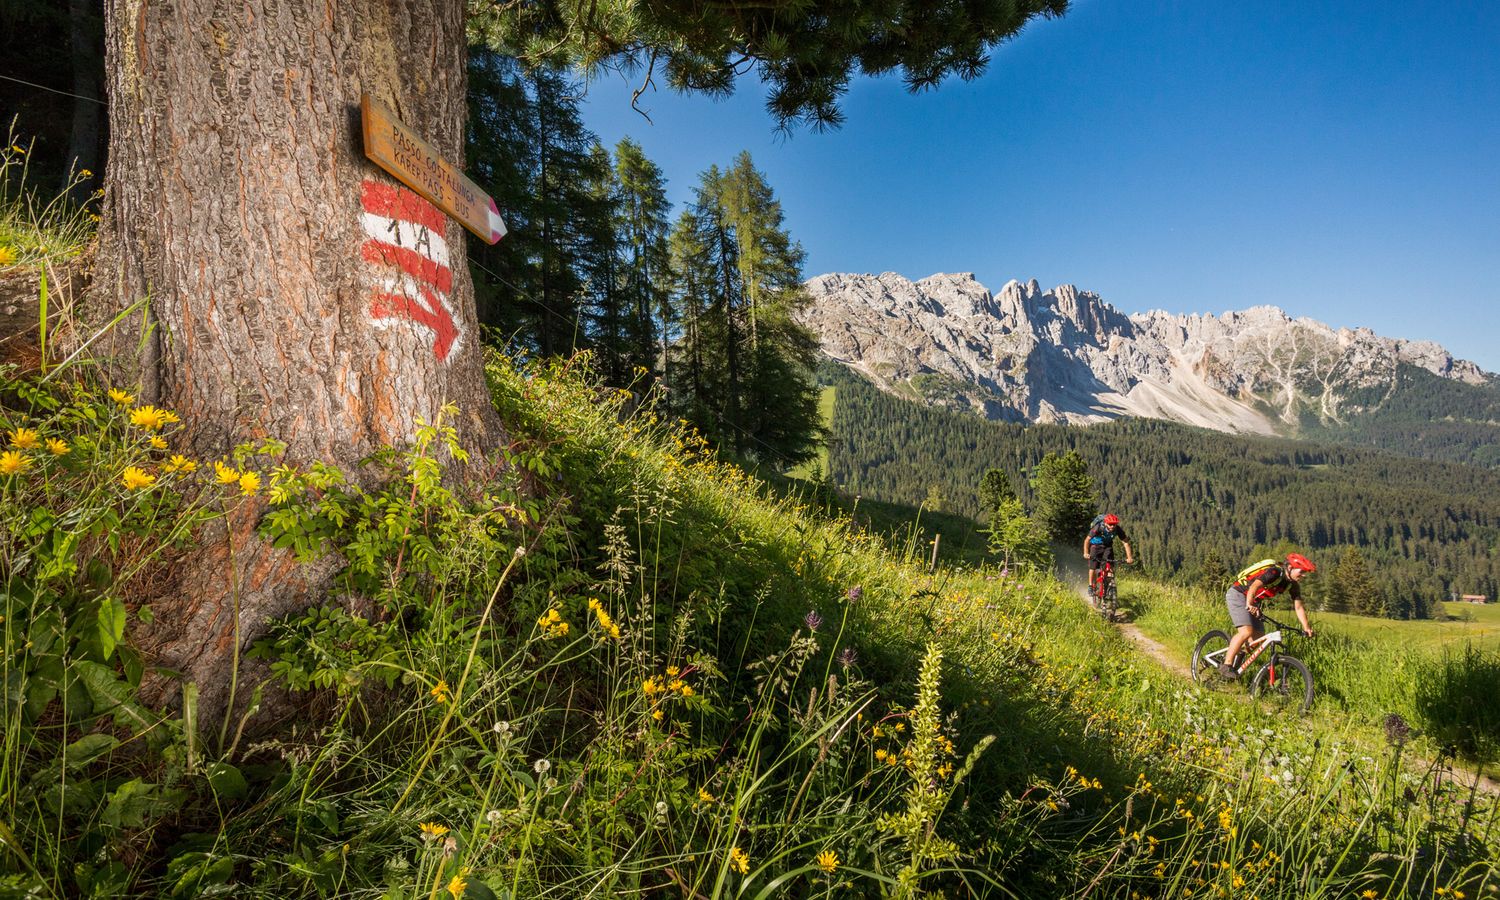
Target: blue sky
{"x":1340,"y":160}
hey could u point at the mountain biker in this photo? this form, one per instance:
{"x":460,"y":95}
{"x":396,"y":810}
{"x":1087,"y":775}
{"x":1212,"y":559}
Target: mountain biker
{"x":1099,"y":544}
{"x":1255,"y":585}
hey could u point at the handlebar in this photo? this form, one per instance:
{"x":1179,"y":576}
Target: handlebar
{"x":1282,"y":626}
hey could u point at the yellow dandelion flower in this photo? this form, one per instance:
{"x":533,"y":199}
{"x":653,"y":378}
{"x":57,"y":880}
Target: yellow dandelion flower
{"x":687,"y":689}
{"x":673,"y":671}
{"x":828,"y":861}
{"x":180,"y":463}
{"x":431,"y":831}
{"x":57,"y":447}
{"x":658,"y":715}
{"x":226,"y":474}
{"x":7,"y":256}
{"x":739,"y":860}
{"x":169,"y":417}
{"x":148,"y":417}
{"x":137,"y":479}
{"x":704,"y":796}
{"x":158,"y":442}
{"x":651,"y":687}
{"x":121,"y":397}
{"x":440,"y":692}
{"x":457,"y":886}
{"x":24,"y":439}
{"x":249,"y":483}
{"x":1369,"y":894}
{"x":13,"y":461}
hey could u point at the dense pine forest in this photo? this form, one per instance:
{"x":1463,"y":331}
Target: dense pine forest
{"x":1421,"y":414}
{"x":1191,"y":497}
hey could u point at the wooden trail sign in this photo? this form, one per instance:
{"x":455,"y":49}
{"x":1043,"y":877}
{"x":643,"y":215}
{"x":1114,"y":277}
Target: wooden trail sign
{"x":397,"y":149}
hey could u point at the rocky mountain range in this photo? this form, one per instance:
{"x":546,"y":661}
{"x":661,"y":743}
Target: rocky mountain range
{"x":1065,"y":355}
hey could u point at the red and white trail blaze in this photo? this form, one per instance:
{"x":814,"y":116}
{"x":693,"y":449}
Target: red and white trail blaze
{"x":405,"y":242}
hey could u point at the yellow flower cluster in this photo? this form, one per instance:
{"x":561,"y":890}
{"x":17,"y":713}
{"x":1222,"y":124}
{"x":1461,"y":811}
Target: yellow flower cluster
{"x":441,"y":693}
{"x":552,"y":624}
{"x":606,"y":623}
{"x":739,"y":860}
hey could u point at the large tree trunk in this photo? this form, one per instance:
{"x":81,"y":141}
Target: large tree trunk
{"x":239,"y":201}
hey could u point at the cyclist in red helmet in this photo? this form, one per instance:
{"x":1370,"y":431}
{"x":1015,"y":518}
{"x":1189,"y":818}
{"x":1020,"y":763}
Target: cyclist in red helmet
{"x":1099,"y":544}
{"x":1256,"y":584}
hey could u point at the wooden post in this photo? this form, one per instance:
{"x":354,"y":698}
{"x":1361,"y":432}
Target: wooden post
{"x":932,"y":566}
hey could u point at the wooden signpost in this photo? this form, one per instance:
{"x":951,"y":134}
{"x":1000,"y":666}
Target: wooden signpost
{"x":398,"y":150}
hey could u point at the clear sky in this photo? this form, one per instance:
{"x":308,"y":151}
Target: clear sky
{"x":1337,"y":158}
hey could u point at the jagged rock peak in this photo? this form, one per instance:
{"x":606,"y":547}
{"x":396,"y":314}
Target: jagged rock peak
{"x":1067,"y":355}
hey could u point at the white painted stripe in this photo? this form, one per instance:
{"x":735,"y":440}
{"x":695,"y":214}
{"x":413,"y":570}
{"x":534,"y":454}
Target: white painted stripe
{"x":406,"y":234}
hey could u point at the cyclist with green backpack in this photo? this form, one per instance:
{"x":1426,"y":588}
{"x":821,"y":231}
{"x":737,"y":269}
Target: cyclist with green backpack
{"x":1253,"y":586}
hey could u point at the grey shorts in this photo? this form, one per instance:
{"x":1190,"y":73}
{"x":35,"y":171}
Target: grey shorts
{"x":1239,"y":613}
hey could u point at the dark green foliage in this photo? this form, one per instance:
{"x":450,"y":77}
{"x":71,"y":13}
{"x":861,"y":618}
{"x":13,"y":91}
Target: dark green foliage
{"x":1065,"y":496}
{"x":1213,"y":575}
{"x":994,"y":489}
{"x":805,"y":53}
{"x":1352,"y":589}
{"x":1422,"y":414}
{"x":743,"y":369}
{"x":1017,"y":538}
{"x":1456,"y":699}
{"x":1425,"y":528}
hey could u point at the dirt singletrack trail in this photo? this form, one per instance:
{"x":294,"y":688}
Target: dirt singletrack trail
{"x":1073,"y":571}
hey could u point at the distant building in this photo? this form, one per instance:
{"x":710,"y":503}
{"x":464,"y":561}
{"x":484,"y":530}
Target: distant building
{"x":1473,"y":598}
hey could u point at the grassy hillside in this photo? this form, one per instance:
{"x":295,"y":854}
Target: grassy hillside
{"x":627,"y":668}
{"x":1427,"y":528}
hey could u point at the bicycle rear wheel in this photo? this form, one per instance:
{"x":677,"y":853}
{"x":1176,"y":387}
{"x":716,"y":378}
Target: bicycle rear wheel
{"x":1283,"y":685}
{"x":1205,"y":670}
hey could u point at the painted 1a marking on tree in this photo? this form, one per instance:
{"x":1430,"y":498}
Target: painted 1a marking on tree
{"x":406,"y":245}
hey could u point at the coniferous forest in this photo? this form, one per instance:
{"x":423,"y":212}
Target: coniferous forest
{"x":1189,"y":496}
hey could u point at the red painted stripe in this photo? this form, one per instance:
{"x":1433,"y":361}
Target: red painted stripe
{"x":409,"y":261}
{"x":399,"y":203}
{"x":429,"y":313}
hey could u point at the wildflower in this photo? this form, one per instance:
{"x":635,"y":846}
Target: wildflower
{"x":687,"y":690}
{"x":137,"y":479}
{"x":673,"y":671}
{"x":1369,"y":894}
{"x":848,"y":657}
{"x":541,"y":766}
{"x":7,"y":256}
{"x":158,"y":442}
{"x":226,"y":474}
{"x":651,"y":687}
{"x":739,"y":860}
{"x":658,"y":715}
{"x":705,"y":797}
{"x":121,"y":397}
{"x":13,"y":461}
{"x":148,"y":417}
{"x":180,"y":463}
{"x":494,"y":816}
{"x":828,"y":861}
{"x":457,"y":886}
{"x":57,"y":447}
{"x":440,"y":692}
{"x":249,"y":483}
{"x":24,"y":439}
{"x":1396,"y":729}
{"x":501,"y":727}
{"x":431,"y":831}
{"x":812,"y":620}
{"x":854,"y":594}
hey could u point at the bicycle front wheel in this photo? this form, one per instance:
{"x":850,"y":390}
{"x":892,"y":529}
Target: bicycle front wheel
{"x":1284,"y":684}
{"x":1207,"y":655}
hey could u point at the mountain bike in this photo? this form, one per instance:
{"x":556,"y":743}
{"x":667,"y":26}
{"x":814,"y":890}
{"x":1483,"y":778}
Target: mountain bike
{"x":1283,"y":681}
{"x":1103,"y":593}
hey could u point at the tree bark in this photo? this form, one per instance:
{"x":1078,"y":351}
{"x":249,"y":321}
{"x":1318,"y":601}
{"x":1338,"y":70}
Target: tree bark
{"x":240,"y":204}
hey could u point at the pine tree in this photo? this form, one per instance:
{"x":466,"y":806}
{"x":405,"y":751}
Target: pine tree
{"x":1065,"y":496}
{"x":643,"y":230}
{"x":1017,"y":538}
{"x":1213,"y":574}
{"x":994,"y":489}
{"x":1356,"y":585}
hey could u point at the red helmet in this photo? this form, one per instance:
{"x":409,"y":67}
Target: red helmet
{"x":1111,"y":520}
{"x":1298,"y":561}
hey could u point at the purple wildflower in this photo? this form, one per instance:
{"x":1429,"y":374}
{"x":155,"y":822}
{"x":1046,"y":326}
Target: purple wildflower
{"x":854,"y":594}
{"x":812,"y":620}
{"x":847,"y":657}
